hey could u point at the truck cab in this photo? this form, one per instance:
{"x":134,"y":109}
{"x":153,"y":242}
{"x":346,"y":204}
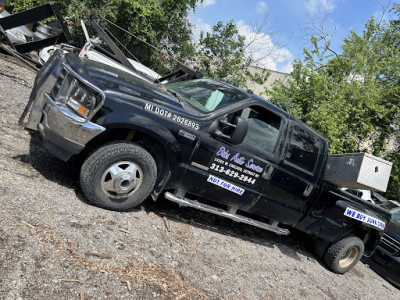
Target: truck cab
{"x":249,"y":155}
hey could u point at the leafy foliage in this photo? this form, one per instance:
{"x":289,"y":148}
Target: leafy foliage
{"x":221,"y":54}
{"x":352,"y":98}
{"x":165,"y":25}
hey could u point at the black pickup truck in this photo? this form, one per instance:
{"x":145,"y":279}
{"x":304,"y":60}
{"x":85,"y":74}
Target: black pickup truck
{"x":203,"y":143}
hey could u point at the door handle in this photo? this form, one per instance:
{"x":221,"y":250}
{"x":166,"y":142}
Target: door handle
{"x":268,"y":172}
{"x":308,"y":190}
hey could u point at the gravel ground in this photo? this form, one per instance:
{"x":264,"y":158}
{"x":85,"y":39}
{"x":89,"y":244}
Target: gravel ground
{"x":55,"y":245}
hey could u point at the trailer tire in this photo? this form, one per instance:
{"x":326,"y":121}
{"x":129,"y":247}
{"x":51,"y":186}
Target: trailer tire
{"x":344,"y":254}
{"x":118,"y":176}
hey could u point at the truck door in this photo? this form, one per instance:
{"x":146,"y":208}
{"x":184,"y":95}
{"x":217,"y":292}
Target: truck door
{"x":296,"y":177}
{"x":272,"y":173}
{"x":237,"y":175}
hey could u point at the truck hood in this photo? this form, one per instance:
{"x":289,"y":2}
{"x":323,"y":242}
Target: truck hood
{"x":117,"y":83}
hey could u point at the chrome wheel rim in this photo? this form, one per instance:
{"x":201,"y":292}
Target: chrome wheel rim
{"x":121,"y":179}
{"x":348,"y":257}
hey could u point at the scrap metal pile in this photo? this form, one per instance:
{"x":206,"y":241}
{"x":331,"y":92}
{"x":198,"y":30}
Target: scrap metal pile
{"x":24,"y":32}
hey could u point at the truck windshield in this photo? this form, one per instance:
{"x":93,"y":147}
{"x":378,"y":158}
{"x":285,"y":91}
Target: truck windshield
{"x":206,"y":95}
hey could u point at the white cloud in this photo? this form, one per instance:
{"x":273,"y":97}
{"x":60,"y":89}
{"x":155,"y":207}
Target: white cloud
{"x":287,"y":68}
{"x":261,"y":7}
{"x":199,"y":26}
{"x":265,"y":53}
{"x":320,"y":6}
{"x":207,"y":3}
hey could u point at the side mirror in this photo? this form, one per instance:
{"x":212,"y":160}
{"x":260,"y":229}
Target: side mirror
{"x":231,"y":132}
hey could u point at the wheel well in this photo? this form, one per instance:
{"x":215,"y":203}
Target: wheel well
{"x":370,"y":240}
{"x":362,"y":234}
{"x":152,"y":145}
{"x":367,"y":235}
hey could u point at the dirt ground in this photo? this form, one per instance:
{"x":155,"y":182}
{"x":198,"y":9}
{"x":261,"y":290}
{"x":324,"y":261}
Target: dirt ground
{"x":55,"y":245}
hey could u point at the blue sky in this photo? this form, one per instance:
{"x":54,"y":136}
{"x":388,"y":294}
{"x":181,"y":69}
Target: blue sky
{"x":286,"y":32}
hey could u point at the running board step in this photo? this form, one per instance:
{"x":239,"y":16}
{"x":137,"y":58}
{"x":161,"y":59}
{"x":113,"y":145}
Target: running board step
{"x":220,"y":212}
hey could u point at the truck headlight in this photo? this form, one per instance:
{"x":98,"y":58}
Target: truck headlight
{"x":82,"y":99}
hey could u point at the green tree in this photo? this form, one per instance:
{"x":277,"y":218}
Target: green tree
{"x":352,"y":98}
{"x":221,"y":54}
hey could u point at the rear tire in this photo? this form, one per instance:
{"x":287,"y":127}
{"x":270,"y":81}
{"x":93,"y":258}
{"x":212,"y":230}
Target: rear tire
{"x":343,"y":255}
{"x":118,"y":176}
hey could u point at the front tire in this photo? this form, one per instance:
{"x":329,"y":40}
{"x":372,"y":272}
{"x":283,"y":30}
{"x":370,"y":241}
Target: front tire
{"x":118,"y":176}
{"x":343,"y":255}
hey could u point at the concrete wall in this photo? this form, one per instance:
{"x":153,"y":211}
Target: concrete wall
{"x":259,"y":89}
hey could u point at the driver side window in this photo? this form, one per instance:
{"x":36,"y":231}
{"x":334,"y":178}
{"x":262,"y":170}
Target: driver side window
{"x":263,"y":128}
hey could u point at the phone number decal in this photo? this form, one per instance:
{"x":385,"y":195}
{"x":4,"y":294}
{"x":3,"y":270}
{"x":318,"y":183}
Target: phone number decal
{"x":174,"y":117}
{"x":232,"y":173}
{"x":225,"y":185}
{"x":235,"y":165}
